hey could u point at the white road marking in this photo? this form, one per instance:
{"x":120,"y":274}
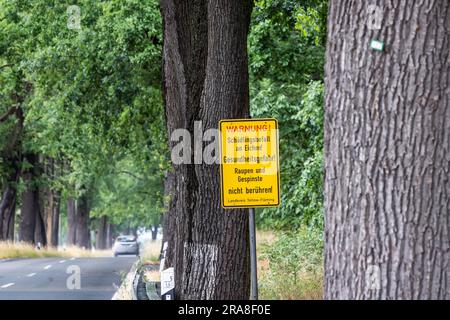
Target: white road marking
{"x":7,"y":285}
{"x":62,"y":261}
{"x":72,"y":259}
{"x":31,"y":275}
{"x":48,"y":267}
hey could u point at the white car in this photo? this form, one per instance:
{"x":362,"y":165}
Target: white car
{"x":126,"y":245}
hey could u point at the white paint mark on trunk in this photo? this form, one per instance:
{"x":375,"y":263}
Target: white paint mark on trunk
{"x":202,"y":262}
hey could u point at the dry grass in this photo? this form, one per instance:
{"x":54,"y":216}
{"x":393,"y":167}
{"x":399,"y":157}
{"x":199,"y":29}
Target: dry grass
{"x":9,"y":250}
{"x":264,"y":237}
{"x":152,"y":275}
{"x":306,"y":286}
{"x":150,"y":252}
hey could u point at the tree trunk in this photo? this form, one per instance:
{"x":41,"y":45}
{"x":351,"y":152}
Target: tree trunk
{"x":206,"y":79}
{"x":56,"y":209}
{"x":7,"y":212}
{"x":127,"y":230}
{"x":12,"y":158}
{"x":83,"y":236}
{"x":40,"y":236}
{"x":30,"y":200}
{"x":51,"y":204}
{"x":154,"y":232}
{"x":110,"y":235}
{"x":71,"y":222}
{"x":387,"y":152}
{"x":102,"y":233}
{"x":8,"y":202}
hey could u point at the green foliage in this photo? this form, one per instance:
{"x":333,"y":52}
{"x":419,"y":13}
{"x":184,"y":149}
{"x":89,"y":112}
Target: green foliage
{"x":286,"y":66}
{"x":130,"y":197}
{"x":301,"y":145}
{"x":296,"y":252}
{"x":93,"y":101}
{"x":295,"y":264}
{"x":287,"y":40}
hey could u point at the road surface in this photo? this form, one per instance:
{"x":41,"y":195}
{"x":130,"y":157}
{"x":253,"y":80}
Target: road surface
{"x":47,"y":279}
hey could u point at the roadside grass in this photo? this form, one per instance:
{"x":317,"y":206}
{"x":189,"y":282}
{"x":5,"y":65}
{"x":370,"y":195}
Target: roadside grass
{"x":290,"y":265}
{"x":150,"y":252}
{"x":10,"y":250}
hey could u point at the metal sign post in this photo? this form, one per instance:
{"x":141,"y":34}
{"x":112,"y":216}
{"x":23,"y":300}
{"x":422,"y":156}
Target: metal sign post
{"x":253,"y":257}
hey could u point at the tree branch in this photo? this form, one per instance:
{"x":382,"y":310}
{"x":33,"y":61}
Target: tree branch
{"x":8,"y":113}
{"x":5,"y":66}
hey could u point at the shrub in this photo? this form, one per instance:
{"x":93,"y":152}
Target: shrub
{"x":294,"y":266}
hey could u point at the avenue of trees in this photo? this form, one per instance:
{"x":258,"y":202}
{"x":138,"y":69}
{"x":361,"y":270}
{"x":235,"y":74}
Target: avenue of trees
{"x":86,"y":111}
{"x":81,"y":132}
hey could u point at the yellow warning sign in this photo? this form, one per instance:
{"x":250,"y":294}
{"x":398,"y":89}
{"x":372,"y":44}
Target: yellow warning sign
{"x":249,"y":175}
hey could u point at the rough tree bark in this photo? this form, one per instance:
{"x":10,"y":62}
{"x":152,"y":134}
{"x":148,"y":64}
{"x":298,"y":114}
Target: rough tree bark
{"x":71,"y":222}
{"x":206,"y":79}
{"x":83,"y":236}
{"x":30,"y":199}
{"x":387,"y":152}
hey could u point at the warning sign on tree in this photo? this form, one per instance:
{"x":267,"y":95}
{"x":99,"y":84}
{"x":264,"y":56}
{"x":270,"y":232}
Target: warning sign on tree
{"x":249,"y":175}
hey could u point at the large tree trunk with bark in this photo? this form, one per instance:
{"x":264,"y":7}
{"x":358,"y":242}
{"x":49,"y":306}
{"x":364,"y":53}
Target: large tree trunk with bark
{"x":83,"y":236}
{"x":30,"y":199}
{"x":206,"y":79}
{"x":71,"y":222}
{"x":387,"y":151}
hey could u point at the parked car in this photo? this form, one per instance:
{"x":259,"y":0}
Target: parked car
{"x":126,"y":245}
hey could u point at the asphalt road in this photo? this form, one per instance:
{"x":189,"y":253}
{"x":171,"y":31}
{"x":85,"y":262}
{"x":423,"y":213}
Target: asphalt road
{"x":56,"y":278}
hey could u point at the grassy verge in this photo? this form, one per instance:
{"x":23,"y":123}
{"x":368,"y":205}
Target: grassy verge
{"x":150,"y":252}
{"x":290,"y":265}
{"x":10,"y":250}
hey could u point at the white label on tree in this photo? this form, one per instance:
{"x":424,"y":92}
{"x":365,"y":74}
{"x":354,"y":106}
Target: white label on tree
{"x":167,"y":280}
{"x":377,"y":45}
